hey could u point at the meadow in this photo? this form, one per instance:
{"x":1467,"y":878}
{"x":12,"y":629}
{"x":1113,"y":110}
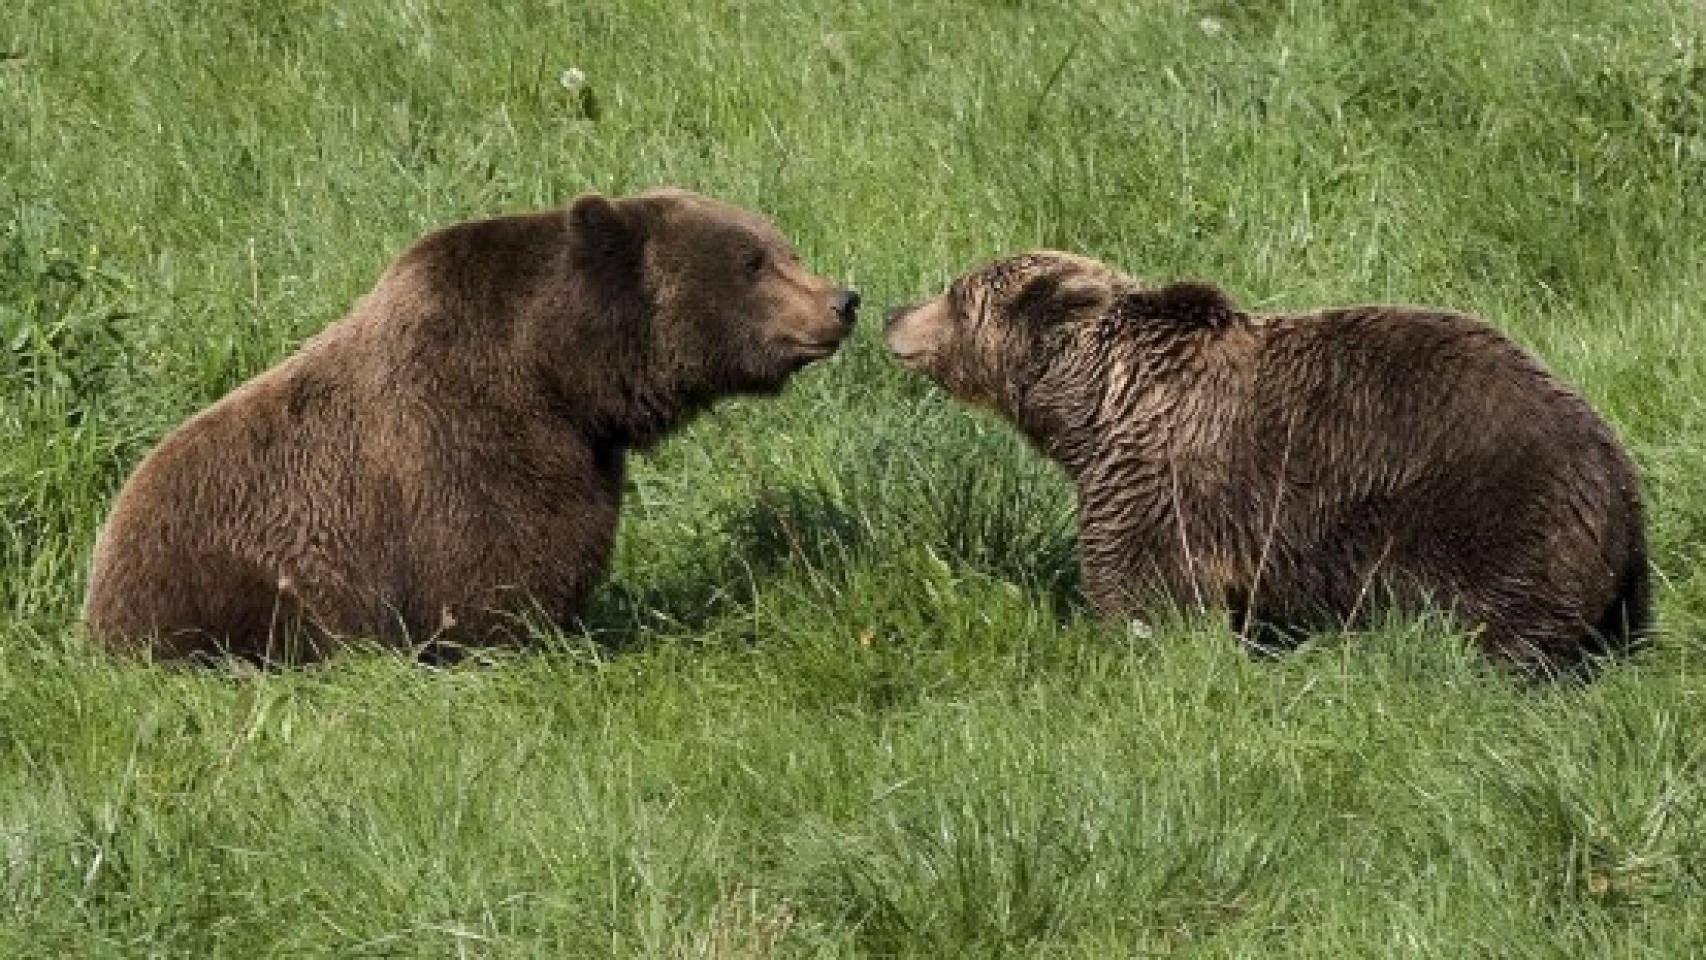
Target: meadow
{"x":841,"y":696}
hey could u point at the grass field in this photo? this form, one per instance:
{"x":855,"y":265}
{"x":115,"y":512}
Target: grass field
{"x":841,"y":696}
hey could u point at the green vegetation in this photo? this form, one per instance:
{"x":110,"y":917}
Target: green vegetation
{"x":841,"y":696}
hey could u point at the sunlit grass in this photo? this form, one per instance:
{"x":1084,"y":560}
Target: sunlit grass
{"x":841,"y":696}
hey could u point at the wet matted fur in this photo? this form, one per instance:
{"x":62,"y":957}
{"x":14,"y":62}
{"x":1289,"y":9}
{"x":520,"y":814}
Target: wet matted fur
{"x":1305,"y":470}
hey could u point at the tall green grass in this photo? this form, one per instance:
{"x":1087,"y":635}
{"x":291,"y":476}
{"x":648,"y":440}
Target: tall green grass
{"x":841,"y":696}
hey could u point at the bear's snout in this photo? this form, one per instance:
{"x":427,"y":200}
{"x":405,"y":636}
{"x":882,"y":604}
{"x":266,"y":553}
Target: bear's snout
{"x":845,"y":303}
{"x":915,"y":332}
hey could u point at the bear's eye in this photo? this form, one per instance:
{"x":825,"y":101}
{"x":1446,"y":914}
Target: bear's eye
{"x":756,"y":261}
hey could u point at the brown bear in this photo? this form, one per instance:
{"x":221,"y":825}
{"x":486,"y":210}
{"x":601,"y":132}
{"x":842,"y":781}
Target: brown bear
{"x":1303,"y":470}
{"x":451,"y":453}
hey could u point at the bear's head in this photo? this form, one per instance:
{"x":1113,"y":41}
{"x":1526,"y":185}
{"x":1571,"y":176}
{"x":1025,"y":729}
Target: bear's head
{"x":713,"y":298}
{"x":1035,"y":337}
{"x":986,"y":336}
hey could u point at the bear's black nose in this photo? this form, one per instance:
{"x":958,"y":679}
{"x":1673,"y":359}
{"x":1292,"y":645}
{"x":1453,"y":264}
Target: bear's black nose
{"x":893,"y":314}
{"x":846,"y":304}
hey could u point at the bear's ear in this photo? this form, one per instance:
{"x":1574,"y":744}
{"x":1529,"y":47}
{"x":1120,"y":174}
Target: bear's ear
{"x":599,"y":229}
{"x":1187,"y":302}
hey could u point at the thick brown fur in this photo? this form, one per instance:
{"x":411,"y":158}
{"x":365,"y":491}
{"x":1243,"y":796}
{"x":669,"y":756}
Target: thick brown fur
{"x":1306,"y":471}
{"x":451,"y":453}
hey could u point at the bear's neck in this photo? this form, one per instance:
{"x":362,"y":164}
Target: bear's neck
{"x":1136,"y":397}
{"x":635,"y":412}
{"x":621,"y":390}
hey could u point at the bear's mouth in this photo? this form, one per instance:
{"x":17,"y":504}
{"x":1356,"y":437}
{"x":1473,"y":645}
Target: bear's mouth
{"x":913,"y":358}
{"x":810,"y":350}
{"x":912,"y":338}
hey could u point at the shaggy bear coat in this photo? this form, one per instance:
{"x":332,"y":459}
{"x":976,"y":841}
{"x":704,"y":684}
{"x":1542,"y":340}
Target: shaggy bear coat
{"x":1303,"y":470}
{"x":451,"y":453}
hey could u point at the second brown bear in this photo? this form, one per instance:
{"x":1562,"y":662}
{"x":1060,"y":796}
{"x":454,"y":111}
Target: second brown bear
{"x":1304,"y":470}
{"x":451,"y":453}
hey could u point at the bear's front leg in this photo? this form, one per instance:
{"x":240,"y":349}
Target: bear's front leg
{"x":1127,"y":578}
